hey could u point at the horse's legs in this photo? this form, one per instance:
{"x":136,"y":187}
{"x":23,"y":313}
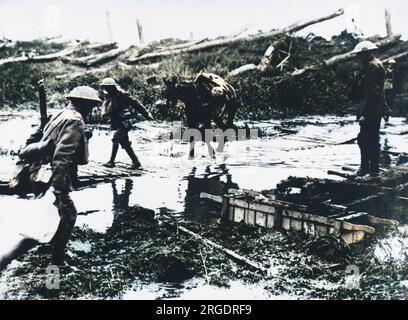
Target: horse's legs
{"x":192,"y":126}
{"x":220,"y":123}
{"x":231,"y":108}
{"x":192,"y":147}
{"x":207,"y":126}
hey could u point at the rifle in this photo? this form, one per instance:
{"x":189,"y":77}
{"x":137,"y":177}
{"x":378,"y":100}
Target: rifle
{"x":20,"y":181}
{"x":43,"y":103}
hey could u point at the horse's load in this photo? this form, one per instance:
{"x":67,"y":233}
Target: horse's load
{"x":210,"y":84}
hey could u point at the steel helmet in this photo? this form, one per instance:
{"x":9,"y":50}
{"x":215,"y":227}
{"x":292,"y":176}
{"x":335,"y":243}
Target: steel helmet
{"x":84,"y":92}
{"x":365,"y":46}
{"x":108,"y":82}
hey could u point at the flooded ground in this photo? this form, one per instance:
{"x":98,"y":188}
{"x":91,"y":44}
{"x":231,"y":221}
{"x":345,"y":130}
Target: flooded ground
{"x":126,"y":244}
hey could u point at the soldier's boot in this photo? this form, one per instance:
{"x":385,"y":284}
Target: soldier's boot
{"x":111,"y":162}
{"x":135,"y":161}
{"x":68,"y":215}
{"x":364,"y":166}
{"x":375,"y":166}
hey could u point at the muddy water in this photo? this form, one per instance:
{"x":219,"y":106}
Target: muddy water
{"x":171,"y":184}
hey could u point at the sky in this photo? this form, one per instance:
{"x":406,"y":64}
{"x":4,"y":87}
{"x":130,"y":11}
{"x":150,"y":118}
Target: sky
{"x":185,"y":19}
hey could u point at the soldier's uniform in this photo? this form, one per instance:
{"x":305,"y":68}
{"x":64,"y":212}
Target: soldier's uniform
{"x":374,"y":107}
{"x":120,"y":106}
{"x":117,"y":108}
{"x":389,"y":82}
{"x":62,"y":144}
{"x":67,"y":130}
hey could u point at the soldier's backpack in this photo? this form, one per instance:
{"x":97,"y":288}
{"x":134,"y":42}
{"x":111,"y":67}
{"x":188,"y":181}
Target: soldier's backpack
{"x":33,"y":171}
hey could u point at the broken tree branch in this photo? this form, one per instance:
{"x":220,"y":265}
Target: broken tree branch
{"x":103,"y":70}
{"x":265,"y":61}
{"x":227,"y":41}
{"x":96,"y":59}
{"x":383,"y":44}
{"x":182,"y":46}
{"x":102,"y":46}
{"x":396,"y":57}
{"x":268,"y":55}
{"x":235,"y":256}
{"x":43,"y":58}
{"x":104,"y":57}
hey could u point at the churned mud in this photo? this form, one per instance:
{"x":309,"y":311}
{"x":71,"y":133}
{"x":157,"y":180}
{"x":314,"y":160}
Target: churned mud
{"x":127,"y":244}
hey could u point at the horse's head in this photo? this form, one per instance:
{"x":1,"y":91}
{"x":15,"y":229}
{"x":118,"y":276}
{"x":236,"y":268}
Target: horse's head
{"x":170,"y":92}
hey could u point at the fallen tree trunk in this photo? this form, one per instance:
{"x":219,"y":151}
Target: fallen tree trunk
{"x":268,"y":55}
{"x":181,"y":46}
{"x":243,"y":69}
{"x":43,"y":58}
{"x":96,"y":59}
{"x":104,"y":57}
{"x":103,"y":70}
{"x":345,"y":57}
{"x":102,"y":46}
{"x":396,"y":57}
{"x":227,"y":41}
{"x":262,"y":66}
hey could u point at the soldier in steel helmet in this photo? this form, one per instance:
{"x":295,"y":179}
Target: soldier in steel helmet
{"x":119,"y":106}
{"x":370,"y":92}
{"x":67,"y":130}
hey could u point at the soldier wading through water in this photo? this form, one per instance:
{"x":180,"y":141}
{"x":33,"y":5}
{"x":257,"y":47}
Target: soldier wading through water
{"x":64,"y":144}
{"x":369,"y":91}
{"x":118,"y":106}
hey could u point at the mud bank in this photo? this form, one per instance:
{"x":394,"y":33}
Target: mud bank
{"x":274,"y":94}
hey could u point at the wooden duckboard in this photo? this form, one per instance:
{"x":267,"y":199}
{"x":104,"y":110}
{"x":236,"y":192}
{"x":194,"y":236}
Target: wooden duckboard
{"x":89,"y":175}
{"x":271,"y":213}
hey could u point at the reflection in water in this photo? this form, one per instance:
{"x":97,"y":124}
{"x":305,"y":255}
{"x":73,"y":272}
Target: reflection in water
{"x":22,"y":247}
{"x":172,"y":184}
{"x":121,"y":200}
{"x":210,"y":182}
{"x":385,"y":156}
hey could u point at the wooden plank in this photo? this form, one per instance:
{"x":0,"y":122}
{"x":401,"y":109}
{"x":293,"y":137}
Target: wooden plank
{"x":266,"y":208}
{"x":353,"y":237}
{"x":239,"y":214}
{"x":260,"y":219}
{"x":355,"y":227}
{"x":230,"y":253}
{"x":270,"y":221}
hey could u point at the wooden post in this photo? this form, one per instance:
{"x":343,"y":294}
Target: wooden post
{"x":140,"y":31}
{"x":109,"y":26}
{"x":3,"y":33}
{"x":388,"y":24}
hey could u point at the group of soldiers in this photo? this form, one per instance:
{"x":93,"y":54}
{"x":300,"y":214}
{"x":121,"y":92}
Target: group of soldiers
{"x":66,"y":129}
{"x":63,"y":142}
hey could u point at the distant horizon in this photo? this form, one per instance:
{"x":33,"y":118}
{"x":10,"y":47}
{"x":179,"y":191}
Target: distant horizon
{"x":189,"y":19}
